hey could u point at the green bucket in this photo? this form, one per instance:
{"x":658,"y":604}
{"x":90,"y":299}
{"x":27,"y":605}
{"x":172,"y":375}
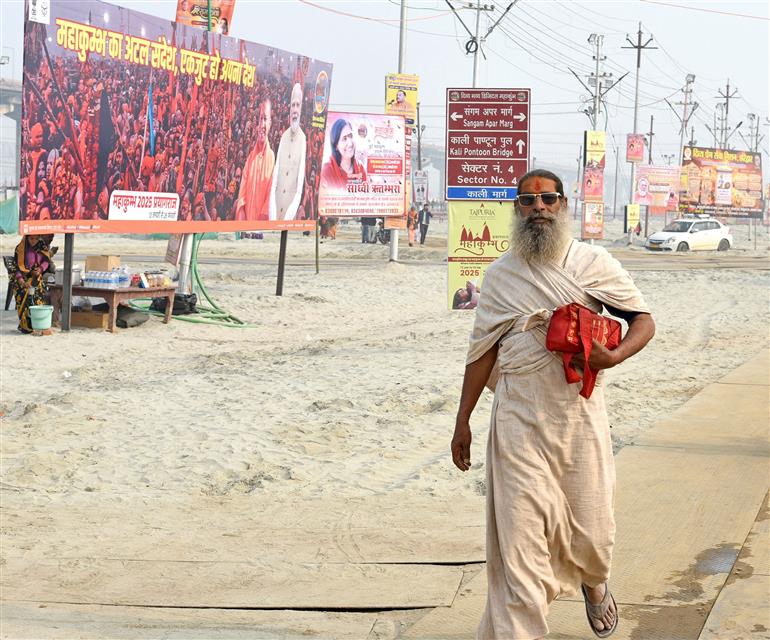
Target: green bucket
{"x":40,"y":316}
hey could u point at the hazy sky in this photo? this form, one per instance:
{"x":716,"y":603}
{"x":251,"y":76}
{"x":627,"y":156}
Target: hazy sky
{"x":532,"y":47}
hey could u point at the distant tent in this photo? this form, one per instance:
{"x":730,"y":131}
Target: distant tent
{"x":9,"y":216}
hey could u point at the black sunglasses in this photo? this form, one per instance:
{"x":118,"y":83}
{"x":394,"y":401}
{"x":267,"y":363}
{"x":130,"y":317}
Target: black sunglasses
{"x":528,"y":199}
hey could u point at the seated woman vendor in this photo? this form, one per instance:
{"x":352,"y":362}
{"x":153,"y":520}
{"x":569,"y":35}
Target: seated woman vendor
{"x":33,"y":258}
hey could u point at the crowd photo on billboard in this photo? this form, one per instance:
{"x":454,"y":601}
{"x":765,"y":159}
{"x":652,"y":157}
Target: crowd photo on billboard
{"x":119,"y":105}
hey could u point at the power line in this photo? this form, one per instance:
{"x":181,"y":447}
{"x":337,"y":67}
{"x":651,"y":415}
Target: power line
{"x":524,"y":37}
{"x":385,"y":22}
{"x":553,"y":34}
{"x":528,"y":73}
{"x":360,"y":17}
{"x":417,"y":8}
{"x":520,"y":39}
{"x":593,"y":24}
{"x":724,"y":13}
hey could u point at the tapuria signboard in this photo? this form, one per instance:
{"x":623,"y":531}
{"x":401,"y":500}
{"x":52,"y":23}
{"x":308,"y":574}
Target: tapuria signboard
{"x":479,"y":233}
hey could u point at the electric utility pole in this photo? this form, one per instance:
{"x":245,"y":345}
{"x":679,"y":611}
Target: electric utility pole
{"x":419,"y":140}
{"x":685,"y":119}
{"x":597,"y":40}
{"x":754,"y":137}
{"x":727,"y":96}
{"x":601,"y":82}
{"x":393,"y":252}
{"x":639,"y":48}
{"x":579,"y":164}
{"x":479,"y":9}
{"x":650,"y":135}
{"x":719,"y":125}
{"x":473,"y":45}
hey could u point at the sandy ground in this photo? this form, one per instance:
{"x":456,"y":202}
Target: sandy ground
{"x":346,"y":385}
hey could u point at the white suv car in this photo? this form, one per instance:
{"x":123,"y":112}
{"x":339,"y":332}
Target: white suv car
{"x":685,"y":234}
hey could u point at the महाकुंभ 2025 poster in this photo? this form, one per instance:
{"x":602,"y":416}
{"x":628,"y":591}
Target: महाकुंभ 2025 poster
{"x":479,"y":233}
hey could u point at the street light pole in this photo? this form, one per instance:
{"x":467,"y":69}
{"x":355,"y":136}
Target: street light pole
{"x":393,"y":254}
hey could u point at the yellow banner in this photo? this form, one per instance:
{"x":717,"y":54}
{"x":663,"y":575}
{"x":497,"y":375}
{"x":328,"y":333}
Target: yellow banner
{"x":632,"y":216}
{"x":595,"y":148}
{"x":401,"y":96}
{"x":479,"y":232}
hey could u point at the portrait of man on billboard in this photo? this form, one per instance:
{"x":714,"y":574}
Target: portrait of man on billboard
{"x":289,"y":172}
{"x":254,"y":195}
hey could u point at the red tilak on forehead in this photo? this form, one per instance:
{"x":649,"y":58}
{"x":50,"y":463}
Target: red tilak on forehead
{"x":538,"y":185}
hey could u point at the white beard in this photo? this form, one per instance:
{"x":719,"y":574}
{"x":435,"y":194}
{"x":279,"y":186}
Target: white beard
{"x":294,"y":125}
{"x":541,"y":242}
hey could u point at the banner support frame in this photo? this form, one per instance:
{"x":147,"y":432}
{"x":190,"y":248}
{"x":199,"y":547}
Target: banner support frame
{"x":66,"y":302}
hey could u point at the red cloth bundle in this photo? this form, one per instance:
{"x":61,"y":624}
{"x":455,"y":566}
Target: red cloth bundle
{"x":572,"y":330}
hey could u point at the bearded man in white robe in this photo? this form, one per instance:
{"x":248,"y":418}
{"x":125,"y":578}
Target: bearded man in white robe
{"x":550,"y":471}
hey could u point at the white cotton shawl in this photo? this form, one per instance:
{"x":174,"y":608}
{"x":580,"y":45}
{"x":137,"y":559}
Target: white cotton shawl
{"x":519,"y":296}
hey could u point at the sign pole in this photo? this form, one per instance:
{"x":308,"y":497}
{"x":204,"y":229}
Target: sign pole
{"x":185,"y":256}
{"x":281,"y":263}
{"x":317,"y":245}
{"x":476,"y":41}
{"x":66,"y":298}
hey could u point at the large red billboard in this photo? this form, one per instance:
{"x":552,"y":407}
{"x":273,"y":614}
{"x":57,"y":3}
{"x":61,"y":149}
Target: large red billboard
{"x":131,"y":123}
{"x":721,"y":182}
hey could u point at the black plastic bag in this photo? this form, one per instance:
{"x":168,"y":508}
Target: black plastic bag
{"x":184,"y":303}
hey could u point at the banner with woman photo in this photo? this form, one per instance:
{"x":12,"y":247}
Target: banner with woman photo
{"x":363,"y":171}
{"x":134,"y":124}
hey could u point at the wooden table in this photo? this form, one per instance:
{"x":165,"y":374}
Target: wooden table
{"x":113,"y":297}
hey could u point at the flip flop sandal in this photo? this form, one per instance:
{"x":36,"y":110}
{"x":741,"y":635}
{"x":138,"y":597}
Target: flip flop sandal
{"x":598,"y":611}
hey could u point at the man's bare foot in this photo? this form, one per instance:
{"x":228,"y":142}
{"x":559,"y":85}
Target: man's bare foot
{"x":595,"y":597}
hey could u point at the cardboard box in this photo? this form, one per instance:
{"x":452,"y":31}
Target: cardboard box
{"x":102,"y":263}
{"x":89,"y":319}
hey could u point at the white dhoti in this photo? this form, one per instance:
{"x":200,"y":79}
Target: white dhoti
{"x":550,"y":469}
